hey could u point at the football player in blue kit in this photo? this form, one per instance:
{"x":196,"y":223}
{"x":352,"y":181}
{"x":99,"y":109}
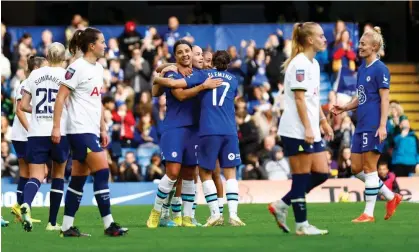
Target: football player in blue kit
{"x":217,"y":135}
{"x":372,"y":103}
{"x":179,"y":137}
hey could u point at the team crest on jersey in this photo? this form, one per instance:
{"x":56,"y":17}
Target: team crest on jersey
{"x":368,"y":78}
{"x":69,"y":74}
{"x":299,"y":75}
{"x":362,"y":97}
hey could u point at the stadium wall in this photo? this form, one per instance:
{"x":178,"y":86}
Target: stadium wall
{"x":218,"y":37}
{"x":334,"y":190}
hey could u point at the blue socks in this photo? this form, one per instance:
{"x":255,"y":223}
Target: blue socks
{"x":55,"y":196}
{"x":316,"y":179}
{"x":30,"y":190}
{"x":298,"y":200}
{"x":101,"y":191}
{"x":20,"y":187}
{"x":74,"y":195}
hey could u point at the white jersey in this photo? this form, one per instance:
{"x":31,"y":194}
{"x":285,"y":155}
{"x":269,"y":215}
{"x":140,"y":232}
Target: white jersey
{"x":301,"y":74}
{"x":84,"y":104}
{"x":19,"y":133}
{"x":43,"y":85}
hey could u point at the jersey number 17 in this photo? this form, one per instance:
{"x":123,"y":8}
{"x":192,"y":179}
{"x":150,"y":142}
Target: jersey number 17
{"x":223,"y":96}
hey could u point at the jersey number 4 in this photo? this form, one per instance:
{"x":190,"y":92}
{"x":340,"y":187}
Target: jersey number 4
{"x":223,"y":96}
{"x":45,"y":94}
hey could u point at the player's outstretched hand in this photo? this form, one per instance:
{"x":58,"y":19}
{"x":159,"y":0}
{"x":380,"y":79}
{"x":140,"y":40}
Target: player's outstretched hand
{"x":309,"y":136}
{"x":337,"y":109}
{"x":381,"y":133}
{"x":56,"y":135}
{"x":171,"y":68}
{"x":104,"y":139}
{"x":211,"y":83}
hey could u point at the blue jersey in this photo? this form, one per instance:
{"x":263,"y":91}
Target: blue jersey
{"x":179,"y":114}
{"x":370,"y":80}
{"x":217,"y":105}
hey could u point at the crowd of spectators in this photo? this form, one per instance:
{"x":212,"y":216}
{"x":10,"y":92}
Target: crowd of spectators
{"x":134,"y":117}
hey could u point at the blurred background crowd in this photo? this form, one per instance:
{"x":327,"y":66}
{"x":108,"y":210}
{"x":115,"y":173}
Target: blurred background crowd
{"x":134,"y":117}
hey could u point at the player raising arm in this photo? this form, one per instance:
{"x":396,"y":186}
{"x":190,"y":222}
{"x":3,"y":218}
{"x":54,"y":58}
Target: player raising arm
{"x":86,"y":130}
{"x":372,"y":105}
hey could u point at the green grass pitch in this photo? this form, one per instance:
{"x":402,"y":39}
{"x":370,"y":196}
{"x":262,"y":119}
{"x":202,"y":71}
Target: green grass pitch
{"x":401,"y":233}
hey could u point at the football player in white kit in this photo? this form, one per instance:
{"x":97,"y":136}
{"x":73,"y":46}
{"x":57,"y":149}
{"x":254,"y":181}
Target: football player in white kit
{"x":86,"y":130}
{"x":300,"y":126}
{"x":41,"y":90}
{"x":20,"y":136}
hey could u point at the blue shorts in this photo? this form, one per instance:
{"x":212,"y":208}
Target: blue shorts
{"x":180,"y":145}
{"x":41,"y":149}
{"x":224,"y":148}
{"x":293,"y":146}
{"x":366,"y":141}
{"x":82,"y":144}
{"x":20,"y":148}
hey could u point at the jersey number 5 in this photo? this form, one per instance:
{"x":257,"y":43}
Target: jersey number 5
{"x":223,"y":96}
{"x":45,"y":93}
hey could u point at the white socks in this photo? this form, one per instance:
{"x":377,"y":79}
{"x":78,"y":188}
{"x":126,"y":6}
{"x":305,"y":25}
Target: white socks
{"x":67,"y":223}
{"x":387,"y":193}
{"x":221,"y":205}
{"x":210,"y":192}
{"x":188,"y":197}
{"x":177,"y":206}
{"x":371,"y":190}
{"x":165,"y":186}
{"x":232,"y":193}
{"x":107,"y":220}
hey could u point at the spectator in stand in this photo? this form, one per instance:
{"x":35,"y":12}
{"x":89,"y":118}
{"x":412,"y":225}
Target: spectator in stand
{"x":129,"y":40}
{"x":241,"y":105}
{"x":151,"y":43}
{"x":259,"y":78}
{"x":129,"y":169}
{"x":396,"y":115}
{"x":145,"y":103}
{"x":405,"y":156}
{"x":156,"y":169}
{"x":77,"y":19}
{"x":145,"y":131}
{"x":344,"y":163}
{"x":268,"y":145}
{"x":277,"y":168}
{"x":9,"y":164}
{"x":42,"y":47}
{"x":117,"y":74}
{"x":340,"y":26}
{"x":113,"y":50}
{"x":333,"y":165}
{"x":388,"y":178}
{"x":173,"y":35}
{"x":235,"y":63}
{"x":249,"y":65}
{"x":343,"y":53}
{"x":6,"y":70}
{"x":159,"y":113}
{"x":162,"y":56}
{"x":125,"y":119}
{"x":138,"y":72}
{"x":275,"y":47}
{"x":6,"y":42}
{"x":343,"y":136}
{"x":6,"y":106}
{"x":15,"y":81}
{"x":265,"y":120}
{"x":253,"y":170}
{"x":21,"y":51}
{"x":259,"y":101}
{"x":247,"y":134}
{"x":6,"y":130}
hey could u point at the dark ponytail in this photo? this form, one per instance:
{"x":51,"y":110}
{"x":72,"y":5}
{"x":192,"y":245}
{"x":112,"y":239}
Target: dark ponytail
{"x":221,"y":60}
{"x":82,"y":39}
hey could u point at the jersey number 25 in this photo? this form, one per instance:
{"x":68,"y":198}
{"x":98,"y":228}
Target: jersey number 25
{"x":45,"y":93}
{"x":223,"y":96}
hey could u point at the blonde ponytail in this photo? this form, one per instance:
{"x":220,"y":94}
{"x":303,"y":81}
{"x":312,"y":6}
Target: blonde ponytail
{"x":300,"y":33}
{"x":377,"y":37}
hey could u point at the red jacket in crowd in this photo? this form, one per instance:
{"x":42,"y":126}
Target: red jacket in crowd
{"x":127,"y":124}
